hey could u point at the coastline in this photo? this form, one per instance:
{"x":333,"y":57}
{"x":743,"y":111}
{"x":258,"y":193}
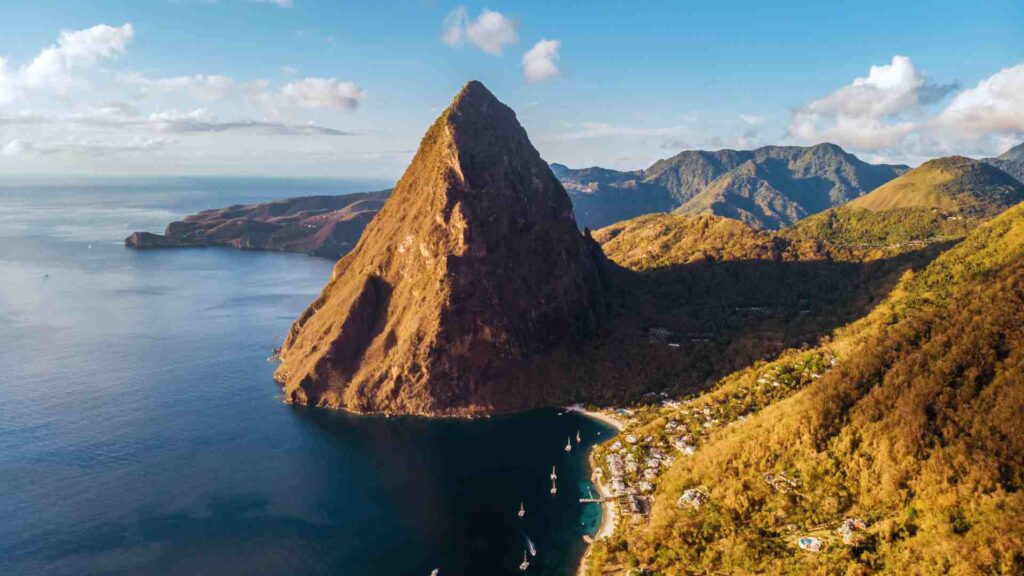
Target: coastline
{"x":608,"y":513}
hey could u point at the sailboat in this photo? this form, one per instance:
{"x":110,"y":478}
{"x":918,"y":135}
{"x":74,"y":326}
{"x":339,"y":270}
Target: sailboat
{"x":522,"y":510}
{"x":554,"y":489}
{"x":530,"y":545}
{"x":578,"y":439}
{"x":525,"y":564}
{"x":434,"y":572}
{"x":553,"y":475}
{"x":568,"y":444}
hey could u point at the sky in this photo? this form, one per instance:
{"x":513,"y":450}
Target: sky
{"x":305,"y":88}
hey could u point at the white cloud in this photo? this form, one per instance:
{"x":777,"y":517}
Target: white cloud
{"x":55,"y":68}
{"x":323,"y":94}
{"x":16,"y":148}
{"x":490,"y":31}
{"x":995,"y":105}
{"x":454,"y":28}
{"x":886,"y":115}
{"x":280,"y":3}
{"x":752,"y":119}
{"x":872,"y":112}
{"x":541,"y":62}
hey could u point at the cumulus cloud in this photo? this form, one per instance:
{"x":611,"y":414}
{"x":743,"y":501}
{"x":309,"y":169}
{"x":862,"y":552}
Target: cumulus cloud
{"x":490,"y":31}
{"x":323,"y":94}
{"x":871,"y":113}
{"x":56,"y":68}
{"x":541,"y":62}
{"x":994,"y":106}
{"x":886,"y":114}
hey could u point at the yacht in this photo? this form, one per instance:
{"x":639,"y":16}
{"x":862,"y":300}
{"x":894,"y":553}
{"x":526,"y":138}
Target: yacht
{"x":522,"y":510}
{"x":525,"y":564}
{"x":553,"y":475}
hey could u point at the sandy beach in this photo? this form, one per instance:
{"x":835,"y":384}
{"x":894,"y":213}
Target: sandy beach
{"x":608,"y":511}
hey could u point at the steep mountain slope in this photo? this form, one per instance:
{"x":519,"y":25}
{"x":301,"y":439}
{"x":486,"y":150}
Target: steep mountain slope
{"x":941,"y":199}
{"x":916,"y":430}
{"x":1011,"y":162}
{"x":326,"y":226}
{"x":701,"y":296}
{"x":664,"y":240}
{"x":769,"y":187}
{"x":472,"y":270}
{"x":955,"y":185}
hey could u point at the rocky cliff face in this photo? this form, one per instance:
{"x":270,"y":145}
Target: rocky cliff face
{"x":471,"y":272}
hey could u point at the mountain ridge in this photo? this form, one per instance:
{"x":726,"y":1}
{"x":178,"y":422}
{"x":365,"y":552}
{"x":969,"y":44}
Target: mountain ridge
{"x":768,"y":187}
{"x":1011,"y":162}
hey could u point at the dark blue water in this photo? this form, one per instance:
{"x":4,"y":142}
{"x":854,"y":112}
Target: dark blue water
{"x":141,"y":433}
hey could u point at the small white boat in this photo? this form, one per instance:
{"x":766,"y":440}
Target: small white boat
{"x":553,"y":475}
{"x":525,"y":564}
{"x":578,"y":439}
{"x":554,"y":489}
{"x":522,"y":510}
{"x":568,"y":444}
{"x":435,"y":572}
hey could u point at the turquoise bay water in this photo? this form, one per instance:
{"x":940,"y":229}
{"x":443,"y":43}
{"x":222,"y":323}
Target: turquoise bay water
{"x":141,"y":433}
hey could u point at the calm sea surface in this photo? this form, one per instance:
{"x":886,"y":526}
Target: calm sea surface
{"x":141,"y":433}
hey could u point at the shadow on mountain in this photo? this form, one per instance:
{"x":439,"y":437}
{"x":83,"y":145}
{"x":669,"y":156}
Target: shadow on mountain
{"x":679,"y":328}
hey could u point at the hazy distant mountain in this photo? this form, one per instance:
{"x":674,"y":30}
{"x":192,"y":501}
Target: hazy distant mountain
{"x":768,"y":187}
{"x":772,"y":186}
{"x":601,"y":196}
{"x":1011,"y":162}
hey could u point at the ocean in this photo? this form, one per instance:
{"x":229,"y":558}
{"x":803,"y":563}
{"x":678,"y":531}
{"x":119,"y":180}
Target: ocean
{"x":141,"y":432}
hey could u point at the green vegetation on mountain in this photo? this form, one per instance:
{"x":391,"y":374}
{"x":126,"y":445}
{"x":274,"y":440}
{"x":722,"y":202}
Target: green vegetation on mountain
{"x":724,"y":295}
{"x":862,"y":228}
{"x":940,"y":200}
{"x":661,"y":240}
{"x":916,"y":430}
{"x":955,"y":184}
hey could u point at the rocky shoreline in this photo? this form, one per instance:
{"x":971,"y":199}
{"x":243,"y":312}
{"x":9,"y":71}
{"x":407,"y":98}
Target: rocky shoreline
{"x":326,"y":226}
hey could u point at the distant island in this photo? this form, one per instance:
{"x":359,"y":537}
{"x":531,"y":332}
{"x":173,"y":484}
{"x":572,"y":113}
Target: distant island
{"x":327,"y":226}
